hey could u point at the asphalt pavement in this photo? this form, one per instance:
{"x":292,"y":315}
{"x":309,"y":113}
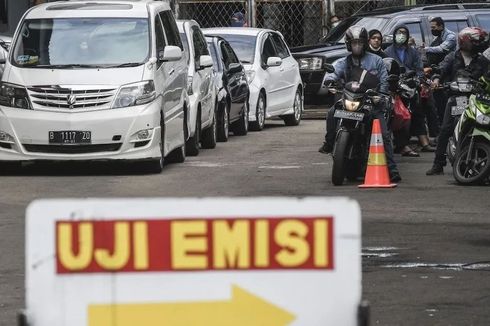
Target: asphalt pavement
{"x":426,"y":243}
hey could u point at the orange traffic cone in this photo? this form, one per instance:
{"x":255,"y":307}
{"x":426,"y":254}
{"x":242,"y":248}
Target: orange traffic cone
{"x":377,"y":175}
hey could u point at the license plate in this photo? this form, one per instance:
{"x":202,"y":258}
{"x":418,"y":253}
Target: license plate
{"x":462,"y":101}
{"x":70,"y":137}
{"x":342,"y":114}
{"x":458,"y":110}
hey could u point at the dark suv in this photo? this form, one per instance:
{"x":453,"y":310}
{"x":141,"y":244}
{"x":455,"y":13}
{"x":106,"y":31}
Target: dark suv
{"x":312,"y":59}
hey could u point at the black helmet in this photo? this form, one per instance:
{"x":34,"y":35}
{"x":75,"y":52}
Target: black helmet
{"x":356,"y":33}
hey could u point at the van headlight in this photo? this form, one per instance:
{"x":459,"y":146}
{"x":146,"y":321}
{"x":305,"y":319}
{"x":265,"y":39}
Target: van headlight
{"x":135,"y":94}
{"x":313,"y":63}
{"x":14,"y":96}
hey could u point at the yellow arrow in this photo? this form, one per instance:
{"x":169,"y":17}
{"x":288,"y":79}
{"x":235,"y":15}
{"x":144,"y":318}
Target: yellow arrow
{"x":244,"y":309}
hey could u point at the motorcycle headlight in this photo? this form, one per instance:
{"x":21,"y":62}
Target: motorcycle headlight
{"x":482,"y":119}
{"x":135,"y":94}
{"x":314,"y":63}
{"x":250,"y":75}
{"x":14,"y":96}
{"x":351,"y":105}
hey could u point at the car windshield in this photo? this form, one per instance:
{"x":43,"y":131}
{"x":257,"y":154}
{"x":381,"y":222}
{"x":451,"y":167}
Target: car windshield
{"x":243,"y":45}
{"x":336,"y":35}
{"x":80,"y":42}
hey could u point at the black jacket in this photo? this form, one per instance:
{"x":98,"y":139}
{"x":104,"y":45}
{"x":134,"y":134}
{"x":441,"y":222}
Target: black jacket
{"x":380,"y":53}
{"x":454,"y":62}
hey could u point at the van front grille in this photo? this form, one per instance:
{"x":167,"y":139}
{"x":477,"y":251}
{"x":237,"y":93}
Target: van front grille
{"x":71,"y":99}
{"x":72,"y":149}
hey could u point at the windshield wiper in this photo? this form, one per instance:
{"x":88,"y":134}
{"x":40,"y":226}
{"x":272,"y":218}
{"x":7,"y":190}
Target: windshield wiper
{"x":69,"y":66}
{"x":122,"y":65}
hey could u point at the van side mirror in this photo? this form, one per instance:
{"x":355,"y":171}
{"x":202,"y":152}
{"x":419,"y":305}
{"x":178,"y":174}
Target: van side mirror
{"x":205,"y":61}
{"x":170,"y":53}
{"x":274,"y":62}
{"x":234,"y":68}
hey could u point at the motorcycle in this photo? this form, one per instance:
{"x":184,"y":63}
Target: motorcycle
{"x":461,"y":89}
{"x":472,"y":137}
{"x":351,"y":146}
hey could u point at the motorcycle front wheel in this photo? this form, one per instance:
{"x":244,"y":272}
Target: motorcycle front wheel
{"x":339,"y":166}
{"x":477,"y":169}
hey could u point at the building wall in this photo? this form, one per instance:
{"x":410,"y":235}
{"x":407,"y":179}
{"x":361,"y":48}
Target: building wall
{"x":11,"y":12}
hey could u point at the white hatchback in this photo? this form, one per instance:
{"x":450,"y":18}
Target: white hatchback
{"x":91,"y":80}
{"x":200,"y":87}
{"x":273,"y":75}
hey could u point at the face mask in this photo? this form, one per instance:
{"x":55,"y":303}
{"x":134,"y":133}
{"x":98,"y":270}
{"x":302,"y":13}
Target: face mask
{"x":436,"y":32}
{"x":400,"y":38}
{"x":357,"y":50}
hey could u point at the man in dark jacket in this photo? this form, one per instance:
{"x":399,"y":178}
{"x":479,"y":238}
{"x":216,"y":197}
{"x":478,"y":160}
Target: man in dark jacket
{"x":468,"y":60}
{"x":406,"y":55}
{"x":375,"y":42}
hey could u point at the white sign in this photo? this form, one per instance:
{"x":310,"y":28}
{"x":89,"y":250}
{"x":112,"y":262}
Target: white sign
{"x":187,"y":262}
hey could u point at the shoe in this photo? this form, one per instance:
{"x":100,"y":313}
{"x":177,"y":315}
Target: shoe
{"x":411,"y":154}
{"x":395,"y":177}
{"x":325,"y":148}
{"x":428,"y":149}
{"x":436,"y":169}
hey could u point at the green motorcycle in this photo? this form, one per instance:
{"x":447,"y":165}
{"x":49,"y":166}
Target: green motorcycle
{"x":472,"y":138}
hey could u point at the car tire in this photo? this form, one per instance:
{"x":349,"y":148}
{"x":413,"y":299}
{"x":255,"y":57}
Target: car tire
{"x":178,"y":154}
{"x":240,"y":128}
{"x":224,"y":125}
{"x":260,"y":110}
{"x":208,"y":139}
{"x":192,"y":144}
{"x":295,"y":118}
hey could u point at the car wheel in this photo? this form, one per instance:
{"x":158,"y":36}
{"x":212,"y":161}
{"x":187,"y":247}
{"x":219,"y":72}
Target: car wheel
{"x":295,"y":118}
{"x":240,"y":127}
{"x":209,"y":135}
{"x":178,"y":154}
{"x":260,"y":110}
{"x":192,"y":145}
{"x":224,"y":125}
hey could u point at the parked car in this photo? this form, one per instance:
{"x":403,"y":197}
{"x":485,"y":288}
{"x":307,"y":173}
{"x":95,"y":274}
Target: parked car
{"x":232,"y":89}
{"x":92,"y":87}
{"x":273,"y":75}
{"x":312,"y":59}
{"x":200,"y":88}
{"x":4,"y":49}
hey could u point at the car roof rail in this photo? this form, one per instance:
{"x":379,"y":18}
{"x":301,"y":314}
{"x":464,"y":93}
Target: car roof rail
{"x":455,"y":6}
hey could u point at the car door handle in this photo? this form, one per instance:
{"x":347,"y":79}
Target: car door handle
{"x":171,"y":72}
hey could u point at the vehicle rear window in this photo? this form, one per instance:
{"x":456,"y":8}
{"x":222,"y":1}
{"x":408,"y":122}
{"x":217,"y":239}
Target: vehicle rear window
{"x":243,"y":45}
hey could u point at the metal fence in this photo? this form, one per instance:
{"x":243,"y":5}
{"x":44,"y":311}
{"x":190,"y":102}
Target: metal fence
{"x":302,"y":22}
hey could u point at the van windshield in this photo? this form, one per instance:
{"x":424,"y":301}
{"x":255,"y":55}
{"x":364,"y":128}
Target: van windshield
{"x":82,"y":42}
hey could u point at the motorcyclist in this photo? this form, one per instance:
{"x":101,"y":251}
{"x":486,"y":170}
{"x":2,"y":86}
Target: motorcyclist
{"x":469,"y":59}
{"x":351,"y":68}
{"x":409,"y":58}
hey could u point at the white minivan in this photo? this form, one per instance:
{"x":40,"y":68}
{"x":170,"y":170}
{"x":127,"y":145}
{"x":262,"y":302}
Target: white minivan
{"x":91,"y":80}
{"x":200,"y":88}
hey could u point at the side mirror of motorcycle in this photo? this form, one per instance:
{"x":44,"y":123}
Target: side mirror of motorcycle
{"x":371,"y":92}
{"x":329,"y":68}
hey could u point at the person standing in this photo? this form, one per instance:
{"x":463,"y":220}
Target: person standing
{"x":442,"y":45}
